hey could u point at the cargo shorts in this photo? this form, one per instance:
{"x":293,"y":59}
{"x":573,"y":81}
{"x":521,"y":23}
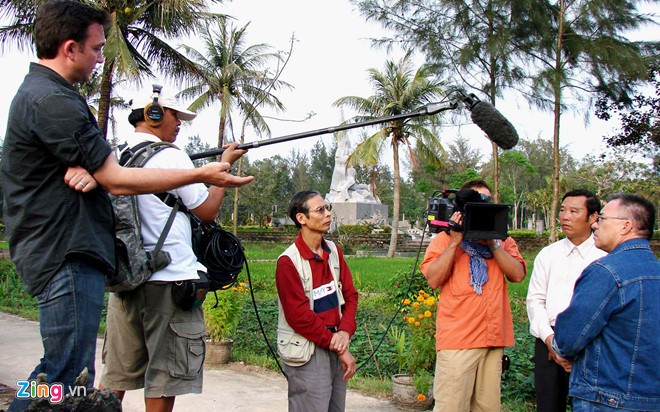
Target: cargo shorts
{"x":150,"y":343}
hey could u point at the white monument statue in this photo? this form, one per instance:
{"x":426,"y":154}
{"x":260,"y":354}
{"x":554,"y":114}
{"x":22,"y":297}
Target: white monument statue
{"x":343,"y":187}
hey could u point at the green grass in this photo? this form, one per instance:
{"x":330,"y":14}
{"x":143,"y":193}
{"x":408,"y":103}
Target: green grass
{"x":263,"y":250}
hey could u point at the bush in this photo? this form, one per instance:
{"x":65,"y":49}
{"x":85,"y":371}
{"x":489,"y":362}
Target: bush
{"x":222,"y":317}
{"x":518,"y":381}
{"x":360,"y":229}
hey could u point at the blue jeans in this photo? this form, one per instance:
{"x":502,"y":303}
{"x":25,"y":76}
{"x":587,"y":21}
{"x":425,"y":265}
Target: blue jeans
{"x":69,"y":315}
{"x":580,"y":405}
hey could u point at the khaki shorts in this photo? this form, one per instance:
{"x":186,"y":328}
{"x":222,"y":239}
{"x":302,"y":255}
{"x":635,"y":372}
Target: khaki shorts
{"x":468,"y":380}
{"x":152,"y":344}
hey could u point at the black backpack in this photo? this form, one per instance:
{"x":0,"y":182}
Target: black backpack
{"x":134,"y":265}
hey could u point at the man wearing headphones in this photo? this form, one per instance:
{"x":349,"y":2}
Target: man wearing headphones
{"x":151,"y":326}
{"x":62,"y":240}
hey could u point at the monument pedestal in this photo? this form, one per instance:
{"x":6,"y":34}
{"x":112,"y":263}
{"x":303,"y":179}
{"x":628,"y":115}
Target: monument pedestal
{"x":352,"y":213}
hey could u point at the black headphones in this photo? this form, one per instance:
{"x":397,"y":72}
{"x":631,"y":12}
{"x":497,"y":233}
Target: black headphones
{"x":153,"y":112}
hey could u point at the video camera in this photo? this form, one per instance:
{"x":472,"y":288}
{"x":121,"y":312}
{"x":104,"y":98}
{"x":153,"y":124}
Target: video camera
{"x":481,"y":219}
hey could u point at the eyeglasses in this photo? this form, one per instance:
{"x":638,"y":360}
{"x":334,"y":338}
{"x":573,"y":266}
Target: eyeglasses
{"x":322,"y":209}
{"x":601,"y":217}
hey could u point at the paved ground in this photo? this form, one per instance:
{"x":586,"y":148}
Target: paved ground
{"x":233,"y":388}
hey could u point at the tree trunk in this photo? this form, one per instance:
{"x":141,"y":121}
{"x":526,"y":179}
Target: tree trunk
{"x":496,"y":160}
{"x":557,"y":112}
{"x":224,"y":113}
{"x":395,"y":198}
{"x":496,"y":175}
{"x":104,"y":97}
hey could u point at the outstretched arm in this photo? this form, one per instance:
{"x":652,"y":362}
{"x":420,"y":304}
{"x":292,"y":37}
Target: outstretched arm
{"x":131,"y":181}
{"x":208,"y":210}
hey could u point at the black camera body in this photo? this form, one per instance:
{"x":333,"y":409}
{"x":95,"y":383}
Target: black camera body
{"x":481,"y":219}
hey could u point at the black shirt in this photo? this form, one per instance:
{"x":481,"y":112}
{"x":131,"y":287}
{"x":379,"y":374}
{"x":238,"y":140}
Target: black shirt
{"x":49,"y":129}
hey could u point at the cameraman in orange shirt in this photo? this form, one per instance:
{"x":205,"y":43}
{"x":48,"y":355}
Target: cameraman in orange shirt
{"x":473,"y":323}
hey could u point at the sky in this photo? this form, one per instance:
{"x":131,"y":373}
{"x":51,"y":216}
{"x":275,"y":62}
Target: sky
{"x":330,"y":59}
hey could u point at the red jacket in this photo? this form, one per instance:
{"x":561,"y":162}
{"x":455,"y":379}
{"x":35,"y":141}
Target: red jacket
{"x":295,"y":303}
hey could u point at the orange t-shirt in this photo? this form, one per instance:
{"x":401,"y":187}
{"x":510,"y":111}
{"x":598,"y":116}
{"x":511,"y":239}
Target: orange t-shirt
{"x":466,"y":320}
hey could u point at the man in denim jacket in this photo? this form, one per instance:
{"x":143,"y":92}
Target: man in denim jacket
{"x":611,"y":328}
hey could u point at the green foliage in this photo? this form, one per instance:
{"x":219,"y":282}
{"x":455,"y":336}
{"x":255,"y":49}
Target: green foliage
{"x":248,"y":337}
{"x":401,"y":285}
{"x":518,"y":381}
{"x":222,"y":317}
{"x":398,"y":337}
{"x":357,"y":229}
{"x":419,"y":316}
{"x":13,"y":297}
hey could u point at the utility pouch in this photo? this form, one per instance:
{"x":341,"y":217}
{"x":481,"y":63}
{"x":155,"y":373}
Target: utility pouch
{"x":293,"y":348}
{"x":190,"y":294}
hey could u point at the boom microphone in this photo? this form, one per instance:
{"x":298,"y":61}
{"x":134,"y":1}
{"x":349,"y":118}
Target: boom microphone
{"x":498,"y":129}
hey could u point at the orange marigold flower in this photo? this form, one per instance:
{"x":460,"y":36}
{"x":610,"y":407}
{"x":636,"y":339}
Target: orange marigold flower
{"x":416,"y":305}
{"x":406,"y":301}
{"x":420,"y":298}
{"x":411,"y":320}
{"x":417,"y":323}
{"x":421,"y":316}
{"x":427,"y":314}
{"x":421,"y":397}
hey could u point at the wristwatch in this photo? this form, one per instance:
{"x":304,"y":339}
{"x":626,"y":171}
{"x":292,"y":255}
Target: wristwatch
{"x":495,"y":246}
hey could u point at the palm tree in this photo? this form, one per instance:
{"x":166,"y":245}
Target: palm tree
{"x":136,"y":40}
{"x":236,"y":75}
{"x":90,"y":91}
{"x":399,"y":89}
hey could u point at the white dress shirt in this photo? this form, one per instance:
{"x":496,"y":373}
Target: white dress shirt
{"x":556,"y":269}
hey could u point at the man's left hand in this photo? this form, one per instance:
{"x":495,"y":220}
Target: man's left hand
{"x":348,"y":364}
{"x":79,"y":179}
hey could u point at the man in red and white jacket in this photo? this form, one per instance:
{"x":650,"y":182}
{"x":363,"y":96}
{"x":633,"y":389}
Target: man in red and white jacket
{"x":317,"y":307}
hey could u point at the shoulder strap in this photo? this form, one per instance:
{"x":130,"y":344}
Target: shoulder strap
{"x":303,"y":269}
{"x":137,"y":156}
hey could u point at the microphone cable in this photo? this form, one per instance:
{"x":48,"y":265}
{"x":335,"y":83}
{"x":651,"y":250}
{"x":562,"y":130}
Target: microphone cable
{"x":261,"y":326}
{"x":408,"y":288}
{"x":223,"y":258}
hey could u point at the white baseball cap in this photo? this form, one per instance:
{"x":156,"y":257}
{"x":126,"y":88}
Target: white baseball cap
{"x":165,"y":99}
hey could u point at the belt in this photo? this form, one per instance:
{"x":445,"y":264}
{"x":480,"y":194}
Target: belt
{"x":332,"y":329}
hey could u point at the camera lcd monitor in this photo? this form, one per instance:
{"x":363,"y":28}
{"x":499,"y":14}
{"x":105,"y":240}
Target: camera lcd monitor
{"x":485,"y":221}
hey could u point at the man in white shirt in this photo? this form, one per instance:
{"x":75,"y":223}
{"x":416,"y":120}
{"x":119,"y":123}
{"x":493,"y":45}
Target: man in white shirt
{"x":155,"y":333}
{"x":556,"y":269}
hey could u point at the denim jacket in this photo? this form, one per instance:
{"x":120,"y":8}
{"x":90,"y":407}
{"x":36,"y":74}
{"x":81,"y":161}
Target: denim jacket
{"x":611,"y":330}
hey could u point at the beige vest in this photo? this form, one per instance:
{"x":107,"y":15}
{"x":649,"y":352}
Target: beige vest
{"x":293,"y":348}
